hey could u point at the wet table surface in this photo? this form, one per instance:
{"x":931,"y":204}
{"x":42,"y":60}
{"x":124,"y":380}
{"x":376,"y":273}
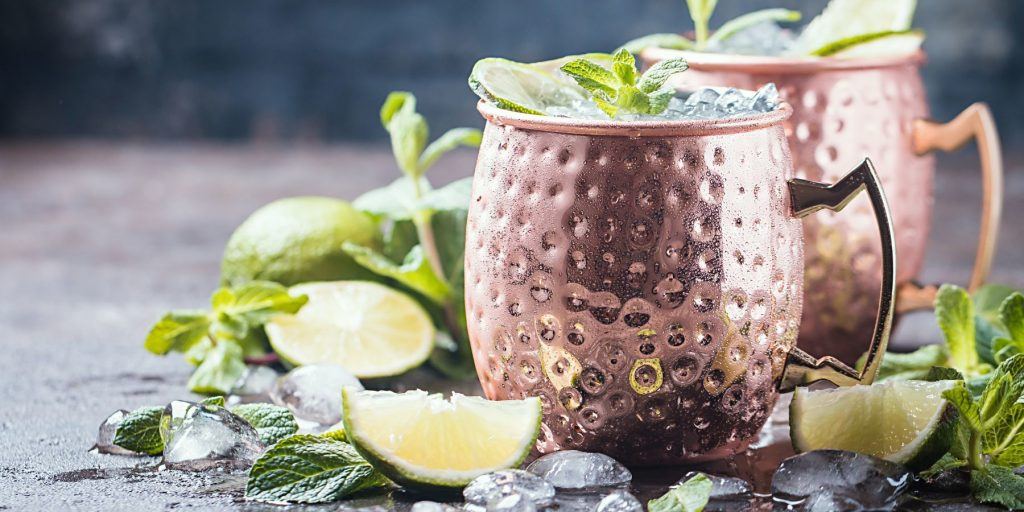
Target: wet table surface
{"x":97,"y":239}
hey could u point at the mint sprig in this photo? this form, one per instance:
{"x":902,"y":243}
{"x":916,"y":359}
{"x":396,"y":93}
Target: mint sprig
{"x":622,"y":88}
{"x":424,"y":228}
{"x":689,"y":496}
{"x":991,"y":443}
{"x":310,"y":469}
{"x":217,"y":340}
{"x":700,"y":13}
{"x":1011,"y":317}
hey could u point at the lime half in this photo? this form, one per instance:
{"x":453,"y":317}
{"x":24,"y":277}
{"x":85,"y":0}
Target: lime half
{"x":902,"y":421}
{"x":844,"y":19}
{"x":423,"y":441}
{"x":367,"y":328}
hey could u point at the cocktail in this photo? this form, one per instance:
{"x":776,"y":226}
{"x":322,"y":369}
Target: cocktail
{"x":635,"y":259}
{"x":852,"y":77}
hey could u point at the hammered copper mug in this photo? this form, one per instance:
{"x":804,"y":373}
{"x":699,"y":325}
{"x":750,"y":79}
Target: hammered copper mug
{"x":645,"y":279}
{"x":845,"y":109}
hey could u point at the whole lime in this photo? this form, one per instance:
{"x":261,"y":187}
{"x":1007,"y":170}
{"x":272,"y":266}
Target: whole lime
{"x":297,"y":240}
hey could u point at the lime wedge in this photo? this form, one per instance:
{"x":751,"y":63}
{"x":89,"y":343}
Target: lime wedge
{"x":367,"y":328}
{"x":529,"y":88}
{"x":423,"y":441}
{"x":902,"y":421}
{"x":843,"y":19}
{"x":878,"y":44}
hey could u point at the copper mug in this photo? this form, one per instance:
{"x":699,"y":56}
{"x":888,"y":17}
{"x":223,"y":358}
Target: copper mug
{"x":645,"y":279}
{"x":845,"y":109}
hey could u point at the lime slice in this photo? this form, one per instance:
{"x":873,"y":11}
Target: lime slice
{"x":902,"y":421}
{"x":529,"y":88}
{"x":367,"y":328}
{"x":875,"y":45}
{"x":423,"y":441}
{"x":843,"y":19}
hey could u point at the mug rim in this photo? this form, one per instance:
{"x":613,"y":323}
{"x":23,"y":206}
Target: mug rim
{"x":765,"y":64}
{"x":654,"y":128}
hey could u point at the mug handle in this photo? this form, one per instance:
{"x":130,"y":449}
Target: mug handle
{"x":975,"y":122}
{"x":807,"y":197}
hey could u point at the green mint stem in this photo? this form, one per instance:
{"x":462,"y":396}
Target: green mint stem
{"x":976,"y":461}
{"x":425,"y":232}
{"x":701,"y":30}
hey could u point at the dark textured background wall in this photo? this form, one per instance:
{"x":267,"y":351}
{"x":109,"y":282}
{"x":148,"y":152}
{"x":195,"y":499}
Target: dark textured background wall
{"x":306,"y":69}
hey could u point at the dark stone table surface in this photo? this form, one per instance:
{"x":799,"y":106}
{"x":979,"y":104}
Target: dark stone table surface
{"x":97,"y":239}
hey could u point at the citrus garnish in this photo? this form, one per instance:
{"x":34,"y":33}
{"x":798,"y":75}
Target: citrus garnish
{"x":844,"y":19}
{"x":367,"y":328}
{"x":423,"y":441}
{"x":908,"y":422}
{"x":875,"y":45}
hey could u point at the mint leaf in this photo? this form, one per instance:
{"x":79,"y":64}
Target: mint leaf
{"x":469,"y":137}
{"x":336,"y":433}
{"x":655,"y":77}
{"x":945,"y":463}
{"x":139,"y":431}
{"x":220,"y":369}
{"x":912,"y":366}
{"x":178,"y":330}
{"x":954,"y":311}
{"x":731,"y":27}
{"x":217,"y":401}
{"x":937,"y":373}
{"x":454,"y":196}
{"x":272,"y":422}
{"x":592,"y":77}
{"x":414,"y":271}
{"x":1011,"y":316}
{"x":618,"y":90}
{"x":965,"y":405}
{"x":689,"y":496}
{"x":310,"y":469}
{"x":408,"y":131}
{"x":999,"y":485}
{"x":396,"y":201}
{"x":256,"y":302}
{"x":670,"y":41}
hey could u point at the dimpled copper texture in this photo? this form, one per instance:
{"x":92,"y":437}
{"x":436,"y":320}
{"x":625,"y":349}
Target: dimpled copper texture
{"x":843,"y":111}
{"x":646,"y":283}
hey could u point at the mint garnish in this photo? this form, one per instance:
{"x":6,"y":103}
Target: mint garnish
{"x":216,"y":401}
{"x":1011,"y":317}
{"x":218,"y":340}
{"x":689,"y":496}
{"x":424,"y":228}
{"x":990,"y":442}
{"x":139,"y":431}
{"x":272,"y":422}
{"x":310,"y":469}
{"x":622,"y":88}
{"x":700,"y":13}
{"x":954,"y":311}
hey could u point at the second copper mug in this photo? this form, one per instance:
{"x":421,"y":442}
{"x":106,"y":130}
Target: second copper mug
{"x":645,"y":279}
{"x":845,"y":109}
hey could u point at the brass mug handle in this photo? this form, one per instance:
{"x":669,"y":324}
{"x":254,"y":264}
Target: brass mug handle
{"x":975,"y":122}
{"x":807,"y":197}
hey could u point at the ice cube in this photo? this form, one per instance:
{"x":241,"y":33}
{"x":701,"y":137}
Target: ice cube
{"x":766,"y":38}
{"x":105,"y":436}
{"x":823,"y":480}
{"x":515,"y":502}
{"x":571,"y":469}
{"x":486,"y":488}
{"x":727,"y":493}
{"x":198,"y":437}
{"x":432,"y":506}
{"x":253,"y":386}
{"x":313,"y":392}
{"x":729,"y":102}
{"x":619,"y":501}
{"x":766,"y":99}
